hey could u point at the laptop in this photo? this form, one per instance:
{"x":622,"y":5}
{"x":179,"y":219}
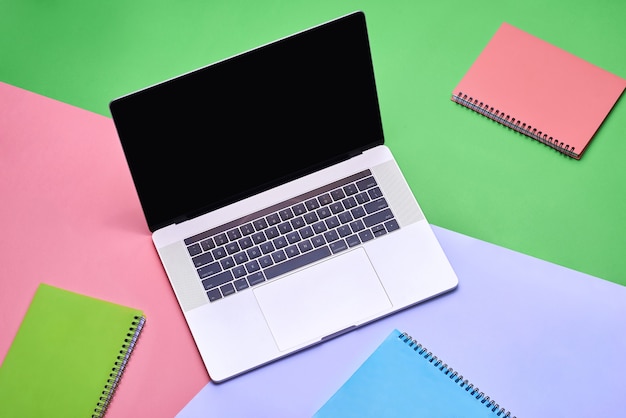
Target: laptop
{"x":281,"y":218}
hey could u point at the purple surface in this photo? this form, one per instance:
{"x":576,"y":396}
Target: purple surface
{"x":538,"y":338}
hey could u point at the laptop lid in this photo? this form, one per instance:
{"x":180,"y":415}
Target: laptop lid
{"x":245,"y":124}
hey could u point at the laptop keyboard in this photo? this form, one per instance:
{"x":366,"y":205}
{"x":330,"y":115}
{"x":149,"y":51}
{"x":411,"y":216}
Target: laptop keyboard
{"x":290,"y":235}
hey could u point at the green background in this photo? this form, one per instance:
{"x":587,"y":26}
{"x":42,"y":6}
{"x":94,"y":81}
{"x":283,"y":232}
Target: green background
{"x":469,"y":174}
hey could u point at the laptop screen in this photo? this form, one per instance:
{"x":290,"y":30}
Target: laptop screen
{"x":245,"y":124}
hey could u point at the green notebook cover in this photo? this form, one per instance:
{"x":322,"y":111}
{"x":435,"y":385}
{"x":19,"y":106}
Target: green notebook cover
{"x":67,"y":356}
{"x":402,"y":378}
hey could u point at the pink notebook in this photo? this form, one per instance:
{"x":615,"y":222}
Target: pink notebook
{"x":539,"y":90}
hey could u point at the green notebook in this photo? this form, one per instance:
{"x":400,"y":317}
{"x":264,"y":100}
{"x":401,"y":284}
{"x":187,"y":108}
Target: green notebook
{"x":402,"y":378}
{"x":67,"y":356}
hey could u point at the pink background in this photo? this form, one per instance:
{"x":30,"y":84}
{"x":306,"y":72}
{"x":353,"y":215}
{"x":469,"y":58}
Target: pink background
{"x":70,"y":217}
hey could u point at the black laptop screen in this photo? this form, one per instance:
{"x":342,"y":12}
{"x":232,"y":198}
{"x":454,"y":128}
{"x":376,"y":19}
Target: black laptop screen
{"x":226,"y":131}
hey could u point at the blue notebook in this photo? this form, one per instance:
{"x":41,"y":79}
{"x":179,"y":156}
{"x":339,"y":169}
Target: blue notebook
{"x":403,"y":378}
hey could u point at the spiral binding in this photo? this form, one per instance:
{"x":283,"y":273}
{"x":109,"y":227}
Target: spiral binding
{"x":119,"y":366}
{"x":513,"y":123}
{"x":448,"y":371}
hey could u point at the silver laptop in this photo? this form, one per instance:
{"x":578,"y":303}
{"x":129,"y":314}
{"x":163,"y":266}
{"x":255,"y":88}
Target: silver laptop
{"x":281,"y":218}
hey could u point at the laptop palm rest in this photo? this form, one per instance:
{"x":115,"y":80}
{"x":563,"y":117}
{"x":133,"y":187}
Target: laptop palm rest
{"x":322,"y":299}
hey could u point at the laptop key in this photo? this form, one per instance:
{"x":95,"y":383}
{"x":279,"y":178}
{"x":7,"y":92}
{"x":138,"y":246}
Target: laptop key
{"x":392,"y":225}
{"x":279,"y":256}
{"x":332,"y":222}
{"x":353,"y":240}
{"x":376,"y":205}
{"x":254,"y":252}
{"x":266,"y":261}
{"x":378,"y":217}
{"x":358,"y":212}
{"x":272,"y":232}
{"x":214,"y":294}
{"x":292,"y":251}
{"x":256,"y":278}
{"x":338,"y":246}
{"x":252,"y":266}
{"x":305,"y":246}
{"x":260,"y":224}
{"x":323,"y":212}
{"x":247,"y":229}
{"x":366,"y":183}
{"x":273,"y":219}
{"x":362,"y":197}
{"x":310,"y":218}
{"x":241,"y":258}
{"x":202,"y":259}
{"x":349,"y":203}
{"x":318,"y":241}
{"x":246,"y":242}
{"x":325,"y":199}
{"x":306,"y":232}
{"x":227,"y":263}
{"x":209,"y":270}
{"x":357,"y":225}
{"x":375,"y":193}
{"x":298,"y":222}
{"x":337,"y":194}
{"x":221,"y":239}
{"x":319,"y":227}
{"x":207,"y":244}
{"x":299,"y":209}
{"x":344,"y":231}
{"x":312,"y":204}
{"x":232,"y":248}
{"x":219,"y":252}
{"x":350,"y":189}
{"x":241,"y":284}
{"x":234,"y":234}
{"x":286,"y":214}
{"x":331,"y":236}
{"x":336,"y":207}
{"x":285,"y":227}
{"x":259,"y":237}
{"x":239,"y":271}
{"x":280,"y":242}
{"x":217,"y":280}
{"x":293,"y":237}
{"x":366,"y":235}
{"x":267,"y":247}
{"x":227,"y":289}
{"x":379,"y":230}
{"x":297,"y":262}
{"x":194,"y":249}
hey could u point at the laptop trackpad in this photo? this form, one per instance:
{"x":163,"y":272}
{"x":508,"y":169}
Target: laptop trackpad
{"x":323,"y":299}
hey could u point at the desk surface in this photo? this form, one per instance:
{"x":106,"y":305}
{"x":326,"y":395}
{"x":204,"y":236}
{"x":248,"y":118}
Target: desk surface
{"x":470,"y":175}
{"x":69,"y":181}
{"x":73,"y":220}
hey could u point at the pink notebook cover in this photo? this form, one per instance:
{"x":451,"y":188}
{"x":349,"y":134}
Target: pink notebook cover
{"x":539,"y":90}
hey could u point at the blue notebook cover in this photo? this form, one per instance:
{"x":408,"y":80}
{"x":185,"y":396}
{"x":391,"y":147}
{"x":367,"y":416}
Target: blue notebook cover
{"x":402,"y":378}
